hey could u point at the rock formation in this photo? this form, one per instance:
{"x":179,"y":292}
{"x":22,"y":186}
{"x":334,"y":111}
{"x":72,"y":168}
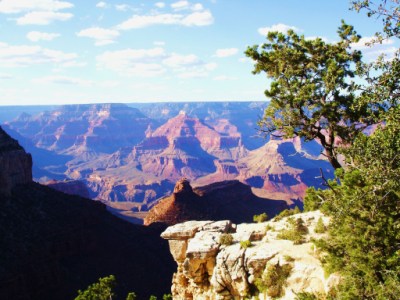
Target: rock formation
{"x":210,"y":269}
{"x":231,"y":200}
{"x":15,"y":164}
{"x":126,"y":154}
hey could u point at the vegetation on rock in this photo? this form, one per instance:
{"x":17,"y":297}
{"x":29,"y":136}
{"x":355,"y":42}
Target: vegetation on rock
{"x":226,"y":239}
{"x":296,"y":231}
{"x":245,"y":244}
{"x":314,"y":95}
{"x":260,"y":218}
{"x":273,"y":280}
{"x":287,"y":213}
{"x":320,"y":227}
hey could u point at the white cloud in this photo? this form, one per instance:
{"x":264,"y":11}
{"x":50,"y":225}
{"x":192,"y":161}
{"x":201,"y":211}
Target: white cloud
{"x":21,"y":56}
{"x":160,"y":4}
{"x":197,"y":7}
{"x":324,"y":39}
{"x":176,"y":60}
{"x":226,"y":52}
{"x":18,"y":6}
{"x":203,"y":18}
{"x":372,"y":50}
{"x":277,"y":27}
{"x":43,"y":18}
{"x":183,"y":4}
{"x":65,"y":80}
{"x":197,"y":71}
{"x":153,"y":62}
{"x":365,"y":43}
{"x":159,"y":43}
{"x":134,"y":62}
{"x":122,"y":7}
{"x":36,"y":36}
{"x":101,"y":4}
{"x":102,"y":36}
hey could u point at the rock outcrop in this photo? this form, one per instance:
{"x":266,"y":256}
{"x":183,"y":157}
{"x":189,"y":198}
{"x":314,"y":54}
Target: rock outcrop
{"x":15,"y":164}
{"x":210,"y":269}
{"x":231,"y":200}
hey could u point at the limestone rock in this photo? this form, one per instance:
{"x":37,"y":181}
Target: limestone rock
{"x":211,"y":271}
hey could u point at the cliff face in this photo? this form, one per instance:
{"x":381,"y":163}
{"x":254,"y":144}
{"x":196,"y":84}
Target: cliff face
{"x":208,"y":270}
{"x":15,"y":164}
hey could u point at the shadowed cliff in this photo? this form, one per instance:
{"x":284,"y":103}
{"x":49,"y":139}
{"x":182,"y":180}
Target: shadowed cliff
{"x":52,"y":244}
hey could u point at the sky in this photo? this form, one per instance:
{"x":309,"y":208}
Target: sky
{"x":124,"y":51}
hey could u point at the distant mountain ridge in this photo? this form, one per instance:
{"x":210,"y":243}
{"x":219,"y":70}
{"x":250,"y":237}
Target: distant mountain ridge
{"x":132,"y":154}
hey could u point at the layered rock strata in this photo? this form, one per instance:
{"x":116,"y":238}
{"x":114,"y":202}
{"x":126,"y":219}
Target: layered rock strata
{"x":209,"y":270}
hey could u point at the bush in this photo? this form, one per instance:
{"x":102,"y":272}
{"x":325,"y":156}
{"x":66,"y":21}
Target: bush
{"x":287,"y":213}
{"x":288,"y":258}
{"x":320,"y":227}
{"x":226,"y":239}
{"x":295,"y":232}
{"x":245,"y":244}
{"x":273,"y":280}
{"x":131,"y":296}
{"x":101,"y":290}
{"x":306,"y":296}
{"x":269,"y":227}
{"x":260,"y":218}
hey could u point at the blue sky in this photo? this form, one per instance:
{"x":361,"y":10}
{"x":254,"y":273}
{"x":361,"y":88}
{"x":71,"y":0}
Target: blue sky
{"x":69,"y":51}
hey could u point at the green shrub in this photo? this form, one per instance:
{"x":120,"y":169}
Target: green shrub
{"x":287,"y":213}
{"x":226,"y":239}
{"x":269,"y":227}
{"x":131,"y":296}
{"x":320,"y":227}
{"x":288,"y":258}
{"x":260,"y":218}
{"x":296,"y":231}
{"x":245,"y":244}
{"x":101,"y":290}
{"x":306,"y":296}
{"x":273,"y":280}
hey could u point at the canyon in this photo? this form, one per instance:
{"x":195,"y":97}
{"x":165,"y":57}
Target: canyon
{"x":130,"y":156}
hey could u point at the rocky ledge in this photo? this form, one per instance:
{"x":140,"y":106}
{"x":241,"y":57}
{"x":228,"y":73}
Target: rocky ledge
{"x":221,"y":260}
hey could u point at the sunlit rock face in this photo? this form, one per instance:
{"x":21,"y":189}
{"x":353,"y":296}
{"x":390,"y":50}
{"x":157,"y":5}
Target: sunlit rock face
{"x":210,"y":270}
